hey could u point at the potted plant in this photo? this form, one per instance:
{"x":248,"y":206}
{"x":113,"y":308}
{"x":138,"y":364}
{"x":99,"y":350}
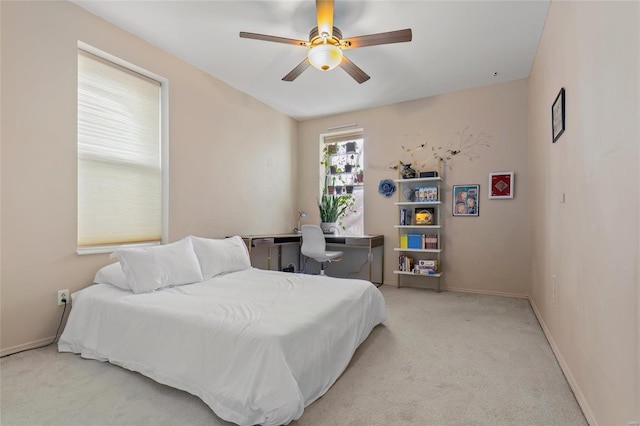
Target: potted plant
{"x":327,"y":152}
{"x":353,"y":164}
{"x":348,"y":183}
{"x":350,"y":147}
{"x":332,"y":208}
{"x":358,"y":174}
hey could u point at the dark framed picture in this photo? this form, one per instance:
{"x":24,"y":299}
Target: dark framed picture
{"x":465,"y":200}
{"x":500,"y":185}
{"x":424,"y":216}
{"x":557,"y":116}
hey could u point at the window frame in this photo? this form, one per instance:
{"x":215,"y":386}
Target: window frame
{"x":164,"y":152}
{"x":340,"y":137}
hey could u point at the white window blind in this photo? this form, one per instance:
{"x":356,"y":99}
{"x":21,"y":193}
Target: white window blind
{"x":119,"y":146}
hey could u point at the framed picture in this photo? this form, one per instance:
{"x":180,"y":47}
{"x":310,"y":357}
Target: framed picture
{"x":465,"y":200}
{"x":500,"y":185}
{"x":557,"y":116}
{"x":424,"y":216}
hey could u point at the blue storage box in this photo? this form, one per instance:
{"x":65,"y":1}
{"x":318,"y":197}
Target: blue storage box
{"x":414,"y":241}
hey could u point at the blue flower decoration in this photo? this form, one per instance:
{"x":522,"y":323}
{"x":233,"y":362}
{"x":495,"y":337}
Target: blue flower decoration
{"x":386,"y":187}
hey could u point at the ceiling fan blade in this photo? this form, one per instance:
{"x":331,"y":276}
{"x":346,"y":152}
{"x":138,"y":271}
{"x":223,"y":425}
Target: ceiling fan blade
{"x":353,"y":70}
{"x":294,"y":73}
{"x":275,"y":39}
{"x":399,"y":36}
{"x":324,"y":10}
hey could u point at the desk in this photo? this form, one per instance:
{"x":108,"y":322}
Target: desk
{"x":366,"y":242}
{"x":269,"y":241}
{"x":338,"y":242}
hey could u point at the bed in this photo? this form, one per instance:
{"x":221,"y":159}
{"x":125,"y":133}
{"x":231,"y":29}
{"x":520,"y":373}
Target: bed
{"x":256,"y":346}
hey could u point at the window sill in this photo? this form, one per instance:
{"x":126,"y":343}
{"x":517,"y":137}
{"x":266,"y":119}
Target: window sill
{"x":109,"y":248}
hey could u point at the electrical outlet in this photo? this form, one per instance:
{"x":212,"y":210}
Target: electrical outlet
{"x":63,"y":294}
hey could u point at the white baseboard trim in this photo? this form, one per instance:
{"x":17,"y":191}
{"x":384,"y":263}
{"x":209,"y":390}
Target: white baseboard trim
{"x":465,"y":290}
{"x":487,"y":292}
{"x":573,"y":384}
{"x":29,"y":345}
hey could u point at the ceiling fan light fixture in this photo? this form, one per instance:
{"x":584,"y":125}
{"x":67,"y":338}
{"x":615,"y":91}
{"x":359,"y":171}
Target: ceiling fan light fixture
{"x":325,"y":56}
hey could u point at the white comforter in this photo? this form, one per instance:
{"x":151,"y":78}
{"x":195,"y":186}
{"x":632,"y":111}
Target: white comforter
{"x":256,"y":346}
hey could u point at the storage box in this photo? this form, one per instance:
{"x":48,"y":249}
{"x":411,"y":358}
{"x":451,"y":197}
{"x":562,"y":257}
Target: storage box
{"x":428,"y":174}
{"x":426,"y":193}
{"x":414,"y":241}
{"x":430,"y":193}
{"x":428,"y":263}
{"x":403,"y":241}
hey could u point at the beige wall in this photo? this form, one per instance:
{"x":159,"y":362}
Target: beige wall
{"x":488,"y":253}
{"x":229,"y":155}
{"x":584,"y":252}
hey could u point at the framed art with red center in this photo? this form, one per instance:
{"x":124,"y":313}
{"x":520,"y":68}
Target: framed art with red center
{"x":501,"y":185}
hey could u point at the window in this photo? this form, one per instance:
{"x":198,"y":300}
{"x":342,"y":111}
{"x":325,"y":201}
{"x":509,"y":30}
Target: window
{"x":342,"y":172}
{"x":120,"y":173}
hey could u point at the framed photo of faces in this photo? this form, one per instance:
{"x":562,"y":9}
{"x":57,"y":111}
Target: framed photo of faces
{"x":465,"y":200}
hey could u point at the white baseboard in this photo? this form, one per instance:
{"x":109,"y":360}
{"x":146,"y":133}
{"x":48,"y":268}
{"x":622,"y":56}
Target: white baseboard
{"x":487,"y":292}
{"x":464,"y":290}
{"x":573,"y":384}
{"x":29,"y":345}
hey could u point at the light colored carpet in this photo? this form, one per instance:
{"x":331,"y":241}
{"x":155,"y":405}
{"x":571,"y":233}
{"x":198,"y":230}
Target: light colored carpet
{"x":442,"y":359}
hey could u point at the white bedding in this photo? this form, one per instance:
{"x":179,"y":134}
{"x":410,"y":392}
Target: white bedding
{"x":256,"y":346}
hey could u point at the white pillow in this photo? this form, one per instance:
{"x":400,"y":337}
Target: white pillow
{"x":112,"y":274}
{"x":151,"y":268}
{"x":221,"y":256}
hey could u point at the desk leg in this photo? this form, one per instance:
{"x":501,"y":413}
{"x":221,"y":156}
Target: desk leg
{"x":382,"y":267}
{"x":370,"y":258}
{"x":269,"y":258}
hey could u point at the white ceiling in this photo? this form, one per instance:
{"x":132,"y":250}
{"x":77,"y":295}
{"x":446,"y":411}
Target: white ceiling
{"x":456,"y":45}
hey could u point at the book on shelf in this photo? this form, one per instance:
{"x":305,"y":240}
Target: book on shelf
{"x":405,"y":263}
{"x":405,"y":217}
{"x":426,"y":266}
{"x":403,"y":240}
{"x":419,"y":241}
{"x":422,"y":266}
{"x":430,"y":241}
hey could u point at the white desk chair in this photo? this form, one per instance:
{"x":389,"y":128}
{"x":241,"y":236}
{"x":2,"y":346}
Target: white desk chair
{"x":314,"y":246}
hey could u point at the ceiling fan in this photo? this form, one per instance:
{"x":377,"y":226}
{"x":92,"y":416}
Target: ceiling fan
{"x":326,"y":44}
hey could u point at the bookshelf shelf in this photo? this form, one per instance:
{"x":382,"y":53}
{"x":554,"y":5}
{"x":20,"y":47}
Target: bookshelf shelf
{"x":419,"y":228}
{"x":438,"y":275}
{"x":416,"y":203}
{"x":418,"y":250}
{"x":419,"y":180}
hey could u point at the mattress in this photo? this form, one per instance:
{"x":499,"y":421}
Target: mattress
{"x":256,"y":346}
